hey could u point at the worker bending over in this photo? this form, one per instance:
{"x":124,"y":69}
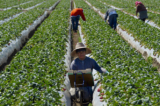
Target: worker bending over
{"x":75,"y":16}
{"x":141,"y":9}
{"x":112,"y":15}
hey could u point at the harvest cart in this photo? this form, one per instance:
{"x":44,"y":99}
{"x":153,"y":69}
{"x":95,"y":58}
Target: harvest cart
{"x":81,"y":78}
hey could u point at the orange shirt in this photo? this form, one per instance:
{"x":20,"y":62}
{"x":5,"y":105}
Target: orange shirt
{"x":78,"y":11}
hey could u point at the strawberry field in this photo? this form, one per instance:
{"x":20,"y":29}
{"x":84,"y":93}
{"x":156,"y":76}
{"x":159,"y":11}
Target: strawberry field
{"x":11,"y":3}
{"x":129,"y":6}
{"x":35,"y":75}
{"x":132,"y":80}
{"x":147,"y":35}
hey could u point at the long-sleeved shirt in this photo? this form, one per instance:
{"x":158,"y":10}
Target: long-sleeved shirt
{"x":78,"y":64}
{"x":140,"y":7}
{"x":110,"y":12}
{"x":78,"y":11}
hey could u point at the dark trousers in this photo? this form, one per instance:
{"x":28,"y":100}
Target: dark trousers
{"x":75,"y":20}
{"x":113,"y":21}
{"x":143,"y":19}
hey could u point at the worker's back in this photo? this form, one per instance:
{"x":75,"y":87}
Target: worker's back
{"x":76,"y":11}
{"x":111,"y":10}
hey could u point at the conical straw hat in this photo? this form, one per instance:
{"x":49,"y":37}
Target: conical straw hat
{"x":80,"y":46}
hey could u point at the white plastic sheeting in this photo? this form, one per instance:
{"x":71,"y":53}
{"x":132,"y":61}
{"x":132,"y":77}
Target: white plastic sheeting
{"x":96,"y":95}
{"x":146,"y":21}
{"x":14,"y":16}
{"x":17,"y":44}
{"x":96,"y":99}
{"x":153,"y":11}
{"x":130,"y":39}
{"x":68,"y":48}
{"x":8,"y":19}
{"x":15,"y":6}
{"x":34,"y":6}
{"x":66,"y":97}
{"x":51,"y":8}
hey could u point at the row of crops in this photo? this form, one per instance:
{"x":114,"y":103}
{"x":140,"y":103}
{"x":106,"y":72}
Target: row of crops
{"x":131,"y":9}
{"x":11,"y":3}
{"x":132,"y":80}
{"x":152,"y":5}
{"x":35,"y":74}
{"x":147,"y":35}
{"x":12,"y":29}
{"x":18,"y":9}
{"x":33,"y":3}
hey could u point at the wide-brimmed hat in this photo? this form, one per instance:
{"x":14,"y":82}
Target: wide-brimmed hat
{"x":80,"y":46}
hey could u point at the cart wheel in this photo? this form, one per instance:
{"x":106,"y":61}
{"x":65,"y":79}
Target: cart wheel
{"x":80,"y":98}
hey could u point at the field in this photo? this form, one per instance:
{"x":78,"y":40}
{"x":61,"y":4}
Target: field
{"x":35,"y":47}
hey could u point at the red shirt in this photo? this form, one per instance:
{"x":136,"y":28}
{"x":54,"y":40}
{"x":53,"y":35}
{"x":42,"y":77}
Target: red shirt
{"x":78,"y":11}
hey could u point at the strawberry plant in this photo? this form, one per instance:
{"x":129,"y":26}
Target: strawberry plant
{"x":17,"y":9}
{"x":33,"y":3}
{"x":10,"y":3}
{"x":35,"y":75}
{"x":13,"y":28}
{"x":9,"y":13}
{"x":129,"y":7}
{"x":144,"y":33}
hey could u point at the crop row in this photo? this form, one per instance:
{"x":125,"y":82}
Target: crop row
{"x":130,"y":9}
{"x":142,"y":32}
{"x":35,"y":74}
{"x":24,"y":6}
{"x":131,"y":80}
{"x":10,"y":3}
{"x":16,"y":10}
{"x":9,"y":13}
{"x":151,"y":5}
{"x":12,"y":29}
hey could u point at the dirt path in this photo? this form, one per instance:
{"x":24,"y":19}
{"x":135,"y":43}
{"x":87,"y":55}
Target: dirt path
{"x":75,"y":36}
{"x":75,"y":40}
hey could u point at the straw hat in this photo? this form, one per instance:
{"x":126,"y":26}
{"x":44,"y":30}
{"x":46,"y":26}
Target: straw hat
{"x":80,"y":46}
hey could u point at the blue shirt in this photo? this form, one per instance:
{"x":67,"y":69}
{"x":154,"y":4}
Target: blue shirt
{"x":78,"y":64}
{"x":110,"y":12}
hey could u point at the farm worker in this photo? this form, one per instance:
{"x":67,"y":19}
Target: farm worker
{"x":142,"y":10}
{"x":83,"y":62}
{"x":112,"y":15}
{"x":75,"y":16}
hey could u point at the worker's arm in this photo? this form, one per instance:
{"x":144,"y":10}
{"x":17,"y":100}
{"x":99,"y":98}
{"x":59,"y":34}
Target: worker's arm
{"x":73,"y":66}
{"x":83,"y":17}
{"x":137,"y":10}
{"x":106,"y":16}
{"x":136,"y":13}
{"x":98,"y":68}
